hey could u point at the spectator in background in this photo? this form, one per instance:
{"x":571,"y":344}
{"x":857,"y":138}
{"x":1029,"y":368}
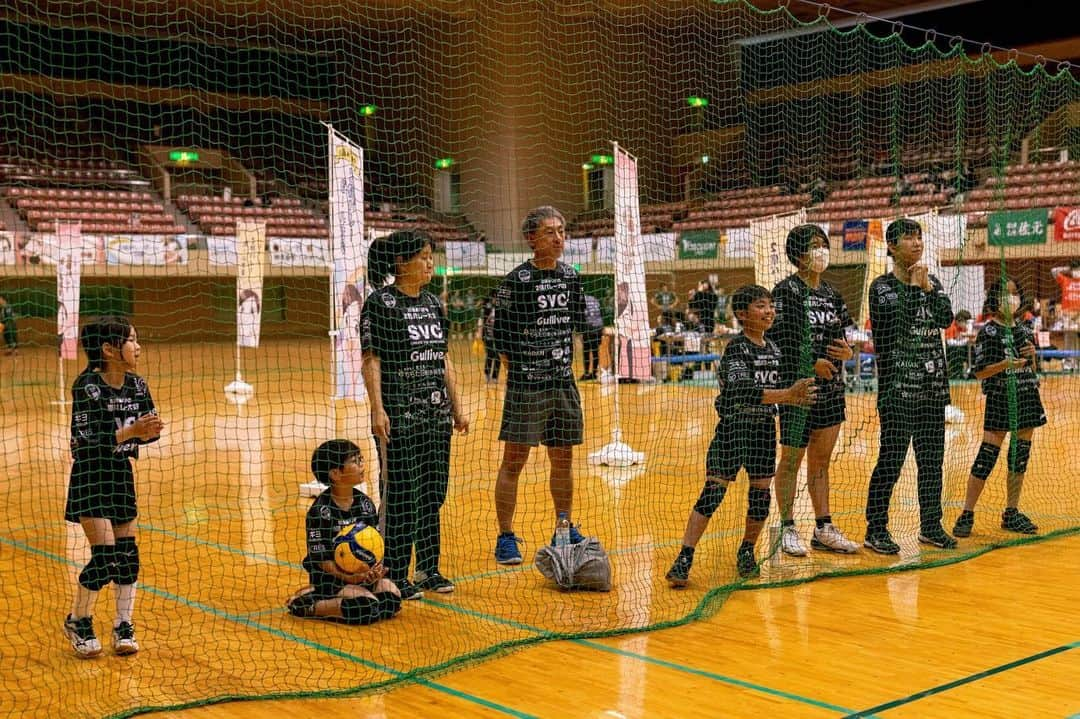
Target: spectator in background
{"x":703,"y":304}
{"x":958,"y":329}
{"x":7,"y":324}
{"x":492,"y":361}
{"x":1068,"y":280}
{"x":664,"y":299}
{"x":590,"y":339}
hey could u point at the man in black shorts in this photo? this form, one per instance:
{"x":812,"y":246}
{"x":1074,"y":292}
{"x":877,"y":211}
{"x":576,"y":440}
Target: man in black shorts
{"x":538,"y":307}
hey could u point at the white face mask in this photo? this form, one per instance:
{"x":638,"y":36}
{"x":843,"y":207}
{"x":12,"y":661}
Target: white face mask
{"x":819,"y":259}
{"x":1014,"y":303}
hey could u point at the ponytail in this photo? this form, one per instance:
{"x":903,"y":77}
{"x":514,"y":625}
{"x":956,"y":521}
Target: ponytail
{"x":386,"y":252}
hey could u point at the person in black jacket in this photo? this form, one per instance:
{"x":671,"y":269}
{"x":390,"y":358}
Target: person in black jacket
{"x":908,"y":310}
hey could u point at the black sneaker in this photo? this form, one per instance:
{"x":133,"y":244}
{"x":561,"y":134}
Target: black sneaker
{"x":409,"y":590}
{"x":880,"y":541}
{"x":935,"y":536}
{"x":302,"y":604}
{"x":746,"y":562}
{"x":679,"y":574}
{"x":434,"y":582}
{"x":80,"y":632}
{"x":1017,"y":521}
{"x":963,"y":525}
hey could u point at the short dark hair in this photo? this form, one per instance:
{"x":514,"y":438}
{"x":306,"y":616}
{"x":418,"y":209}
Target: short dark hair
{"x":748,"y":295}
{"x":386,"y":251}
{"x":537,"y":215}
{"x":99,"y":332}
{"x":962,"y":316}
{"x":998,"y":288}
{"x":799,"y":240}
{"x":331,"y":454}
{"x":901,"y":228}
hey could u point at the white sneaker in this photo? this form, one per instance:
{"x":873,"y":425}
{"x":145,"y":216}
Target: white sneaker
{"x":80,"y":632}
{"x":791,"y":542}
{"x":832,"y":539}
{"x":123,"y":639}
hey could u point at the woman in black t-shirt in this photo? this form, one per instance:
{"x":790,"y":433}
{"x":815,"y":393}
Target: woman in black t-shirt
{"x":414,"y":402}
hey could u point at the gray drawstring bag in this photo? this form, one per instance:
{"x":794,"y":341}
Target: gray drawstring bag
{"x":584,"y":565}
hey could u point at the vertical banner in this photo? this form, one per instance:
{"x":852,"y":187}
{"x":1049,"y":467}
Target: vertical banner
{"x":876,"y":256}
{"x":348,"y":252}
{"x":631,"y":304}
{"x":68,"y":276}
{"x":768,"y":237}
{"x":250,"y":256}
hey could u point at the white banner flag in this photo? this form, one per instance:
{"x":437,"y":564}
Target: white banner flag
{"x":877,"y":264}
{"x":349,"y":249}
{"x":250,"y":256}
{"x":69,"y":259}
{"x":631,"y":302}
{"x":769,"y":239}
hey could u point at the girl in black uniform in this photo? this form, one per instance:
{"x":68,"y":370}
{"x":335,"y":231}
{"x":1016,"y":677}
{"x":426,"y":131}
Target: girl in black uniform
{"x":1005,"y":363}
{"x":112,"y":414}
{"x":414,"y":402}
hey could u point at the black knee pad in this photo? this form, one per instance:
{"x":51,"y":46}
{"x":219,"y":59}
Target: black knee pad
{"x":100,"y":569}
{"x":712,"y":494}
{"x":985,"y":460}
{"x":389,"y":604}
{"x":757,"y":503}
{"x":360,"y":610}
{"x":1019,"y":454}
{"x":127,"y":561}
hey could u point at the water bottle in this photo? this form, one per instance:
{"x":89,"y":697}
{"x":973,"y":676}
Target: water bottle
{"x":562,"y":530}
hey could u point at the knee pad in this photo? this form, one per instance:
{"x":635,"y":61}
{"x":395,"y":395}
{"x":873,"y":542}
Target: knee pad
{"x":985,"y":460}
{"x":127,"y":561}
{"x":389,"y":604}
{"x":757,"y":503}
{"x":100,"y":569}
{"x":360,"y":610}
{"x":1019,"y":453}
{"x":712,"y":494}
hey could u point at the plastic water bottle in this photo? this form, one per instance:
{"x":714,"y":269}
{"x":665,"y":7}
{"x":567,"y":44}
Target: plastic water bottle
{"x":562,"y":530}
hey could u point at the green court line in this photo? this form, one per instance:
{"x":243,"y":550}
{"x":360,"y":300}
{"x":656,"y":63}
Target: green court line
{"x":397,"y":674}
{"x":964,"y":680}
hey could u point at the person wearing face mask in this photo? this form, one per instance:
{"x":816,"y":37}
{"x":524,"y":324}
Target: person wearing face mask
{"x":1004,"y":361}
{"x":811,"y":319}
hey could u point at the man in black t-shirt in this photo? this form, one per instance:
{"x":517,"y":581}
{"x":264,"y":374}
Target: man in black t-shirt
{"x":908,"y":311}
{"x":538,"y":307}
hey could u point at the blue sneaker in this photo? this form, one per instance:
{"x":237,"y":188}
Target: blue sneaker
{"x":575,"y":536}
{"x":506,"y":549}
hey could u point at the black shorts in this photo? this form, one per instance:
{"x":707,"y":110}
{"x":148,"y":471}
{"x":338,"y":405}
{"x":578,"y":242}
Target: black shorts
{"x":1029,"y":411}
{"x":796,"y":424}
{"x":101,"y":489}
{"x":548,"y":415}
{"x":742,"y":442}
{"x":326,"y":585}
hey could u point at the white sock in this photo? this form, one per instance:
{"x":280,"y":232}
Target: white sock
{"x":83,"y":606}
{"x":125,"y":603}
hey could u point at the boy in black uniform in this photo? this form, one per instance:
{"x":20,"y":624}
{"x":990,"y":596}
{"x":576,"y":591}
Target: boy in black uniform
{"x":333,"y":593}
{"x":112,"y":413}
{"x":750,"y":387}
{"x":908,"y":311}
{"x":809,"y":330}
{"x":7,"y":321}
{"x":1004,"y":359}
{"x":538,"y":307}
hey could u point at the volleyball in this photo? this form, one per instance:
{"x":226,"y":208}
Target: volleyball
{"x":357,"y":548}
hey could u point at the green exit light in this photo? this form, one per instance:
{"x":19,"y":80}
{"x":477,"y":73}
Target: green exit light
{"x":443,"y":270}
{"x":695,"y":101}
{"x":444,"y":163}
{"x":367,"y":110}
{"x":183,"y":156}
{"x":602,"y":159}
{"x":577,"y":267}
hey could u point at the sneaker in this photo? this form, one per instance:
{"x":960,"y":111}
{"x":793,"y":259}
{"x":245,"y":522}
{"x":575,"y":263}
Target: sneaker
{"x":80,"y":632}
{"x":935,"y":536}
{"x":575,"y":536}
{"x":302,"y":603}
{"x":963,"y":525}
{"x":1018,"y":522}
{"x":506,"y":549}
{"x":791,"y":543}
{"x":123,"y":639}
{"x":830,"y":538}
{"x":746,"y":562}
{"x":679,"y":574}
{"x":881,"y":541}
{"x":434,"y":582}
{"x":409,"y":590}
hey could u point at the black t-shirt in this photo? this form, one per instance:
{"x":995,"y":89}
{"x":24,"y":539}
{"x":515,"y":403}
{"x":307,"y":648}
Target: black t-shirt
{"x":99,"y":410}
{"x":907,"y":324}
{"x":992,"y":345}
{"x":808,"y":319}
{"x":745,"y":370}
{"x":704,"y":304}
{"x":536,"y":314}
{"x":408,"y":335}
{"x":325,"y":520}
